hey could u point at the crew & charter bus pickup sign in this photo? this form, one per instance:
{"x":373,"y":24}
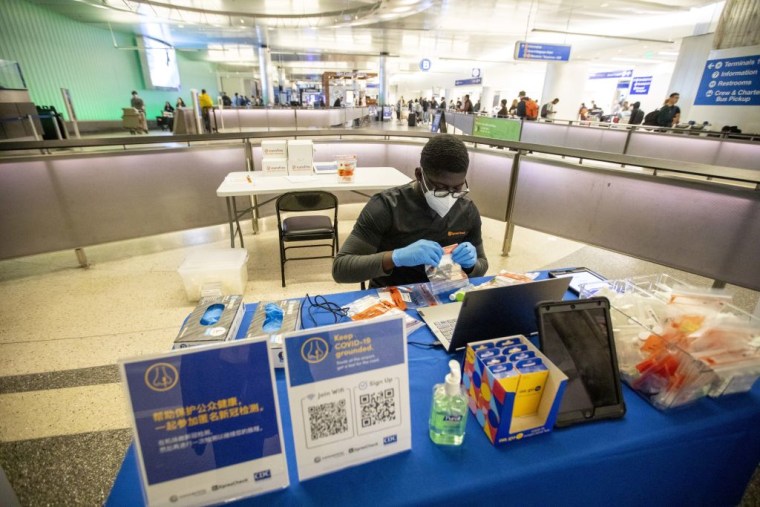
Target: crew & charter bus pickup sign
{"x":348,"y":389}
{"x":730,"y":82}
{"x":206,"y":423}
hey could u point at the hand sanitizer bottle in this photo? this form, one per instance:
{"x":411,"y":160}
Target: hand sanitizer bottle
{"x":448,"y":413}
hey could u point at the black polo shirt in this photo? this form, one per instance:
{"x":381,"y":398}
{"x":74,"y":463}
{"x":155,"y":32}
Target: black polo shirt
{"x":396,"y":218}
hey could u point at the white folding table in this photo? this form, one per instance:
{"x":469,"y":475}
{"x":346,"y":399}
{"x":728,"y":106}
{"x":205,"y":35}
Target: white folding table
{"x":254,"y":184}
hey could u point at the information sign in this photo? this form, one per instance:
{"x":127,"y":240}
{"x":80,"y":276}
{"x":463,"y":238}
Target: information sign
{"x":425,"y":64}
{"x":497,"y":128}
{"x":615,"y":74}
{"x":348,"y":389}
{"x":640,"y":85}
{"x":730,"y":82}
{"x":470,"y":81}
{"x":542,"y":52}
{"x":206,"y":423}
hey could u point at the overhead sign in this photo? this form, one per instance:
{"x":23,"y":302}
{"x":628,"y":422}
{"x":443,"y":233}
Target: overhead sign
{"x":425,"y":64}
{"x":730,"y":82}
{"x":541,"y":52}
{"x":623,"y":84}
{"x":471,"y":81}
{"x":206,"y":423}
{"x":615,"y":74}
{"x":476,"y":72}
{"x":640,"y":85}
{"x":348,"y":389}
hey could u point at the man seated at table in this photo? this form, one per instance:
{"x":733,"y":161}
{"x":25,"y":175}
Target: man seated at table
{"x":402,"y":229}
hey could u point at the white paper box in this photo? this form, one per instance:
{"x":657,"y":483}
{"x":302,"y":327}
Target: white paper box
{"x":274,"y":148}
{"x":300,"y":156}
{"x":272,"y":166}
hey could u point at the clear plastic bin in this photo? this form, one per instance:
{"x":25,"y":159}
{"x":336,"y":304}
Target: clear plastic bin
{"x":665,"y":362}
{"x":226,"y":269}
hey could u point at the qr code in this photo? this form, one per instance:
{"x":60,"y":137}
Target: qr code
{"x":328,"y":419}
{"x":379,"y":407}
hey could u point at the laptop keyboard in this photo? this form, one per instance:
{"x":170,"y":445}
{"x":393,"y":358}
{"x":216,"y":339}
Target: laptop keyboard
{"x":446,"y":327}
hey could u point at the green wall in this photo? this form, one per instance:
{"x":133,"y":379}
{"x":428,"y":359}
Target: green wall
{"x":57,"y":52}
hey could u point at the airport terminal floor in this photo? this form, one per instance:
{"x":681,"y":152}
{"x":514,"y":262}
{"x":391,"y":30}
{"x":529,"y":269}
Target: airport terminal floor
{"x":65,"y":430}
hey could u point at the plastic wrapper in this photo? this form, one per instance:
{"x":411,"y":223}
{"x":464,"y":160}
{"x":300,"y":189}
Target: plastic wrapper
{"x":678,"y":343}
{"x":447,"y":276}
{"x":370,"y":307}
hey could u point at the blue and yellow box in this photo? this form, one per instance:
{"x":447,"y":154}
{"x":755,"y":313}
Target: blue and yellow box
{"x":512,"y":400}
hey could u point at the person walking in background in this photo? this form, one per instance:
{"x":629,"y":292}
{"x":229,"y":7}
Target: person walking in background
{"x":137,"y":102}
{"x":206,"y":106}
{"x":503,"y":112}
{"x":637,"y":115}
{"x":583,"y":112}
{"x":467,"y":106}
{"x":670,"y":113}
{"x":180,"y":103}
{"x":547,"y":110}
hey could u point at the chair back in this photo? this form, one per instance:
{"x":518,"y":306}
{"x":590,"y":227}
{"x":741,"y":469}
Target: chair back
{"x":311,"y":200}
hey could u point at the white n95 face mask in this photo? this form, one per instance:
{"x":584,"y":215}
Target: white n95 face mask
{"x":441,"y":205}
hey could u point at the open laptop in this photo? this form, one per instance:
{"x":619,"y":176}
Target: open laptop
{"x":491,"y":313}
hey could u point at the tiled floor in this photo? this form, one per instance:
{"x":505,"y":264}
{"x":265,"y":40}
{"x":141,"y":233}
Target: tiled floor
{"x":63,"y":417}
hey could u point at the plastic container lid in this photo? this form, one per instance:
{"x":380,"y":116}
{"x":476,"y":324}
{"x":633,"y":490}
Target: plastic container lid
{"x":229,"y":258}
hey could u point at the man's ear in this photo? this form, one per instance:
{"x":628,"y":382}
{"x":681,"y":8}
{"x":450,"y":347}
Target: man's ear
{"x":418,"y":174}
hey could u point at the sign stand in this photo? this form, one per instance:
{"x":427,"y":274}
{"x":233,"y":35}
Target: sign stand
{"x":348,"y":389}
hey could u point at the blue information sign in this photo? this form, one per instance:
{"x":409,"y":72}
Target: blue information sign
{"x":471,"y":81}
{"x":542,"y":52}
{"x":425,"y":64}
{"x":640,"y":85}
{"x":204,"y":409}
{"x":730,"y":82}
{"x":615,"y":74}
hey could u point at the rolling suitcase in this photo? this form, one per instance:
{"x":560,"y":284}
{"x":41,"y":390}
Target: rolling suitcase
{"x":412,"y":121}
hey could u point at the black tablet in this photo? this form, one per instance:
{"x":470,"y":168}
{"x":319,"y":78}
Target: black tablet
{"x":579,"y":277}
{"x":577,"y":337}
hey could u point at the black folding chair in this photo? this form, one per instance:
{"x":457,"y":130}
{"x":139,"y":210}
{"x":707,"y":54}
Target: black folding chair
{"x":301,"y":226}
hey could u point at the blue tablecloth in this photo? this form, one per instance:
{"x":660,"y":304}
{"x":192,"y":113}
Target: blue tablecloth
{"x":703,"y":454}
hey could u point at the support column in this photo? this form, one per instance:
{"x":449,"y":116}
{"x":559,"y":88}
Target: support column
{"x":382,"y":97}
{"x":266,"y":81}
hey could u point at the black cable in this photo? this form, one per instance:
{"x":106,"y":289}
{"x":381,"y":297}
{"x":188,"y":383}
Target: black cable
{"x":320,"y":303}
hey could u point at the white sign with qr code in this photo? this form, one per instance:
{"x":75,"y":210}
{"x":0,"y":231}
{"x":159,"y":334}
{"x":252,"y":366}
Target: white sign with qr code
{"x":348,"y":389}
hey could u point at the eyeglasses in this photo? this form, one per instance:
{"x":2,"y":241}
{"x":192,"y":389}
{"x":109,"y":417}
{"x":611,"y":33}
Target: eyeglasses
{"x":456,"y":193}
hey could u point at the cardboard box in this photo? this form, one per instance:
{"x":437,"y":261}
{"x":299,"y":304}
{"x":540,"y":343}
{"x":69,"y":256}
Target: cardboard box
{"x":300,"y":156}
{"x":495,"y":398}
{"x":274,"y":166}
{"x":291,"y":321}
{"x":214,"y":320}
{"x":274,"y":148}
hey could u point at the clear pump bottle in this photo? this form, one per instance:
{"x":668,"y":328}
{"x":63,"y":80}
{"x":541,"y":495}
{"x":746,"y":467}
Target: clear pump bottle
{"x":448,"y":413}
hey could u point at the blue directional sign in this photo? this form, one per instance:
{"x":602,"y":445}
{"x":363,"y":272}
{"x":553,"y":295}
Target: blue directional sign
{"x":640,"y":85}
{"x":730,"y":82}
{"x":472,"y":81}
{"x":615,"y":74}
{"x":541,"y":52}
{"x":425,"y":64}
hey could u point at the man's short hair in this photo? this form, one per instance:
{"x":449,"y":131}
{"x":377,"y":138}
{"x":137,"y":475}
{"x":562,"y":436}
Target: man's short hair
{"x":134,"y":92}
{"x":675,"y":94}
{"x":444,"y":153}
{"x":203,"y":90}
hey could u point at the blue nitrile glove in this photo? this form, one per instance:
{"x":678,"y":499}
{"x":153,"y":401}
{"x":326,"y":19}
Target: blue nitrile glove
{"x":272,"y":318}
{"x":422,"y":251}
{"x":465,"y":255}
